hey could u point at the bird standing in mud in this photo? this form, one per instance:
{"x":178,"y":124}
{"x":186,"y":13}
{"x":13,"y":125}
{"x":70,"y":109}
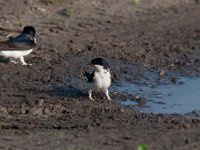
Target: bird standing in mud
{"x":20,"y":46}
{"x":100,"y":79}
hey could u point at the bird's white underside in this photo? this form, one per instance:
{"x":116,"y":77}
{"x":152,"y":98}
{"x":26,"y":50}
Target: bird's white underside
{"x":102,"y":81}
{"x":15,"y":54}
{"x":18,"y":54}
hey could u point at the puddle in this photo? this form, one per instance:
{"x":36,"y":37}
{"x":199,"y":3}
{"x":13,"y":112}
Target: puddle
{"x":182,"y":97}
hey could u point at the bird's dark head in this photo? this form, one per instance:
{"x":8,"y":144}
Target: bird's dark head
{"x":29,"y":30}
{"x":100,"y":62}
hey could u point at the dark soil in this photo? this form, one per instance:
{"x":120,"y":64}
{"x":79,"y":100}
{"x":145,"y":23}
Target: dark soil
{"x":45,"y":106}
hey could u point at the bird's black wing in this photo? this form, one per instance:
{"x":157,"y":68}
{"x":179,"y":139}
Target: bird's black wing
{"x":14,"y":46}
{"x":90,"y":76}
{"x":21,"y":42}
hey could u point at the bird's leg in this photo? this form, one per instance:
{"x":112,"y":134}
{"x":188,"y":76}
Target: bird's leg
{"x":90,"y":95}
{"x":107,"y":95}
{"x":23,"y":61}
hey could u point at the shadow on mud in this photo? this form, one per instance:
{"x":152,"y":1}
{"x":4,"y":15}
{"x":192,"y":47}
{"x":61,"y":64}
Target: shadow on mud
{"x":66,"y":91}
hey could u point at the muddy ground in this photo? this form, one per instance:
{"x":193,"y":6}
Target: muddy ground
{"x":45,"y":106}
